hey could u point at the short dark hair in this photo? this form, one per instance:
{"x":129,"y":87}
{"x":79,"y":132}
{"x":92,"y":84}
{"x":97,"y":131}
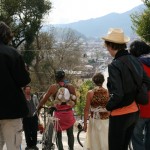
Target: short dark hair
{"x":59,"y":75}
{"x":98,"y":78}
{"x":116,"y":46}
{"x":138,"y":48}
{"x":5,"y":33}
{"x":24,"y":88}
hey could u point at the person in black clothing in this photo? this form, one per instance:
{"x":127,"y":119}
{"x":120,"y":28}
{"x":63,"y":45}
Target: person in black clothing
{"x":13,"y":105}
{"x":122,"y":89}
{"x":141,"y":134}
{"x":30,"y":122}
{"x":63,"y":111}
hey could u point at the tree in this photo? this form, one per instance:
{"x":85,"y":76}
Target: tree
{"x":146,"y":2}
{"x":141,"y":22}
{"x":40,"y":74}
{"x":85,"y":87}
{"x":54,"y":52}
{"x":25,"y":18}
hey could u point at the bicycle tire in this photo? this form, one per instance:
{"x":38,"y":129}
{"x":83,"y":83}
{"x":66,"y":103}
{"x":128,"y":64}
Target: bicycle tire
{"x":78,"y":137}
{"x":130,"y":146}
{"x":47,"y":143}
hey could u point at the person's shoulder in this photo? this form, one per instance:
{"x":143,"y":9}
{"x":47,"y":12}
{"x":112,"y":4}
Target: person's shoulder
{"x":90,"y":91}
{"x":54,"y":84}
{"x":101,"y":90}
{"x":105,"y":89}
{"x":116,"y":64}
{"x":34,"y":95}
{"x":95,"y":89}
{"x":71,"y":87}
{"x":53,"y":88}
{"x":69,"y":84}
{"x":9,"y":50}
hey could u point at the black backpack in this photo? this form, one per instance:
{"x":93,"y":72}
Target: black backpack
{"x":141,"y":95}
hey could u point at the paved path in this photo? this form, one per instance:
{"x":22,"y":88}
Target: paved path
{"x":76,"y":146}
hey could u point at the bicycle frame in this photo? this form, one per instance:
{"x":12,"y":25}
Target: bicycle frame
{"x":49,"y":134}
{"x":80,"y":129}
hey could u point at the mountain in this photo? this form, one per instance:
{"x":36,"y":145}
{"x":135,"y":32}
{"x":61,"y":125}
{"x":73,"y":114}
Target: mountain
{"x":97,"y":27}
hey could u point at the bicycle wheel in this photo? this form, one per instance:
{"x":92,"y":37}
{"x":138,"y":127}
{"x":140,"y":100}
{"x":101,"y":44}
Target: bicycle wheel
{"x":48,"y":136}
{"x":130,"y":146}
{"x":81,"y":137}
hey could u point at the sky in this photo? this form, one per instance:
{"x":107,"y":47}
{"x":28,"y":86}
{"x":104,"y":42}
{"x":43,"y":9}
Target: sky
{"x":67,"y":11}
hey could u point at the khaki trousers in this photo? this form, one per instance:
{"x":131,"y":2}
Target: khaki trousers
{"x":11,"y":133}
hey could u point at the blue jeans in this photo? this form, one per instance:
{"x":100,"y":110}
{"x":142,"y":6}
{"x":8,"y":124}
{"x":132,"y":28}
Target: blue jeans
{"x":141,"y":135}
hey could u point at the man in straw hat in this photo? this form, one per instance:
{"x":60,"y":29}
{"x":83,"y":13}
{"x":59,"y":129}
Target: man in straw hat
{"x":122,"y":88}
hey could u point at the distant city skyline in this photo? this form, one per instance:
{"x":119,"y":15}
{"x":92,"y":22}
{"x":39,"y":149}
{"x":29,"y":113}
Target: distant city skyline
{"x":67,"y":11}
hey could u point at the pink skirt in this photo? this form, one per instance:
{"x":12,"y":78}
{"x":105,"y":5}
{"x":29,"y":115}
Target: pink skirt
{"x":65,"y":116}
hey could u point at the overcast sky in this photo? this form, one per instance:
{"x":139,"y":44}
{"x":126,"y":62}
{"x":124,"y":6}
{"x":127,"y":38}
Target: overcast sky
{"x":67,"y":11}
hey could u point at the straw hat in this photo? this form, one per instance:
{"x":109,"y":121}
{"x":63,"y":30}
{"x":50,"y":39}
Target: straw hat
{"x":116,"y":35}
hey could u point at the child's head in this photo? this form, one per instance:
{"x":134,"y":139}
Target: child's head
{"x":98,"y":79}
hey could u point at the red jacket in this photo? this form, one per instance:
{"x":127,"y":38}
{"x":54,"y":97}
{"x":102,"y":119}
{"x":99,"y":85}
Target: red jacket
{"x":145,"y":109}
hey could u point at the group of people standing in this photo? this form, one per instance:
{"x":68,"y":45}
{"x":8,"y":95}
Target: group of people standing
{"x":128,"y":121}
{"x":114,"y":117}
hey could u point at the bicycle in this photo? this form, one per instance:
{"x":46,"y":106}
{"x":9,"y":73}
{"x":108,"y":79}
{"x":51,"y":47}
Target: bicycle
{"x":81,"y":133}
{"x":49,"y":134}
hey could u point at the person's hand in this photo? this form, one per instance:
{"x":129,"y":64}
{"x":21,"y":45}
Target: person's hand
{"x":85,"y":127}
{"x":109,"y":113}
{"x":51,"y":110}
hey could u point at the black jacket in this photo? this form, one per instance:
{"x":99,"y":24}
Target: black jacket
{"x":13,"y":76}
{"x":121,"y":86}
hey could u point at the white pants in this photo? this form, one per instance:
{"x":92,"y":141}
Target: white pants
{"x":11,"y":133}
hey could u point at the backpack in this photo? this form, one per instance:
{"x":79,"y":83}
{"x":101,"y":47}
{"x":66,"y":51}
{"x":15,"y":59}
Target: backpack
{"x":98,"y":103}
{"x":100,"y":97}
{"x":141,"y":95}
{"x":63,"y":96}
